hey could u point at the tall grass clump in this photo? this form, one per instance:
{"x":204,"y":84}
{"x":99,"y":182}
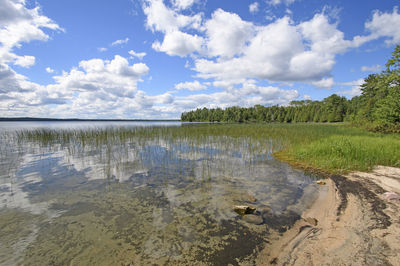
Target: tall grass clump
{"x":343,"y":153}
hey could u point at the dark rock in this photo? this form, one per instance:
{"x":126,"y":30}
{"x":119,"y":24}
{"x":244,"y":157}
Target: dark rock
{"x":243,"y":209}
{"x":253,"y":219}
{"x":283,"y":229}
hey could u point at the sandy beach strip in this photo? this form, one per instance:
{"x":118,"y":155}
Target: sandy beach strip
{"x":354,"y":221}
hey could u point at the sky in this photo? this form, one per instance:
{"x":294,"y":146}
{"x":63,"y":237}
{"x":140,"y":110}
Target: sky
{"x":154,"y":59}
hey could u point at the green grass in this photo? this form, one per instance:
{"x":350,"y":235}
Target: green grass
{"x":333,"y":148}
{"x":341,"y":153}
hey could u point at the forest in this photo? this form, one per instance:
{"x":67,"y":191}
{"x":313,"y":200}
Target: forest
{"x":377,"y":108}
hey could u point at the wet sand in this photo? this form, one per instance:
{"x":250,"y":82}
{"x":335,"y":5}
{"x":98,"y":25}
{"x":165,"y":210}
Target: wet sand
{"x":351,"y":223}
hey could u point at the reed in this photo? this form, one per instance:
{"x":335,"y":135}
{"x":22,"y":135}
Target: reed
{"x":335,"y":148}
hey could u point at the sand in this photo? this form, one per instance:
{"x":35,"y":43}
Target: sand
{"x":356,"y":224}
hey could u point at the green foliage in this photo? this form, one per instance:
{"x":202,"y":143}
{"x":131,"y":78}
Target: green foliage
{"x":379,"y":103}
{"x":387,"y":109}
{"x":332,"y":109}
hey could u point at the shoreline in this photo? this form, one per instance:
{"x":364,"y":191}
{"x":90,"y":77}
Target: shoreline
{"x":351,"y":222}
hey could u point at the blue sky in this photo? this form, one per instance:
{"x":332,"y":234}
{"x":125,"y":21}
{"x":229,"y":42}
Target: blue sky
{"x":157,"y":59}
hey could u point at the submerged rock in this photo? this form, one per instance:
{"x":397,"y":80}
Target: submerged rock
{"x":253,"y":219}
{"x":245,"y":197}
{"x":251,"y":198}
{"x":243,"y":209}
{"x":264,"y":210}
{"x":320,"y":182}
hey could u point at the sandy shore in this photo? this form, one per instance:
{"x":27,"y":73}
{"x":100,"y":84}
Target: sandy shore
{"x":351,"y":223}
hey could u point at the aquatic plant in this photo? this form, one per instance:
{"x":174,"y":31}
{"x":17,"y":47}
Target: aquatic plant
{"x":331,"y":147}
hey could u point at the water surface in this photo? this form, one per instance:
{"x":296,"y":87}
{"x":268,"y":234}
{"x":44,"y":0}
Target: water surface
{"x":140,"y":193}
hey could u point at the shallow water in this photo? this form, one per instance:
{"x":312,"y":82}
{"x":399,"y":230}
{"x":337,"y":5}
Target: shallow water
{"x":145,"y":199}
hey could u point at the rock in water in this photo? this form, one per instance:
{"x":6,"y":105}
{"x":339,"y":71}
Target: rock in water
{"x":320,"y":182}
{"x":243,"y":209}
{"x":246,"y":197}
{"x":253,"y":219}
{"x":311,"y":221}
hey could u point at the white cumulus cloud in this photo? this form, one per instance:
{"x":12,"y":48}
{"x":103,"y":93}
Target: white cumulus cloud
{"x":326,"y":83}
{"x":230,"y":50}
{"x":25,"y":61}
{"x":183,"y":4}
{"x":355,"y":87}
{"x":115,"y":77}
{"x":138,"y":55}
{"x":227,"y":34}
{"x":385,"y":25}
{"x":179,"y":43}
{"x":191,"y":86}
{"x":160,"y":18}
{"x":254,"y":7}
{"x":19,"y":24}
{"x":248,"y":95}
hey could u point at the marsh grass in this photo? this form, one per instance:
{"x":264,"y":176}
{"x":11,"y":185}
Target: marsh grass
{"x":341,"y":154}
{"x":335,"y":148}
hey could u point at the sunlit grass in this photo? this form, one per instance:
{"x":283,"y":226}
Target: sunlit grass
{"x":340,"y":153}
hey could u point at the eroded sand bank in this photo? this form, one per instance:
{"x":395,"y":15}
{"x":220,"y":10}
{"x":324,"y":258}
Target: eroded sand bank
{"x":355,"y":224}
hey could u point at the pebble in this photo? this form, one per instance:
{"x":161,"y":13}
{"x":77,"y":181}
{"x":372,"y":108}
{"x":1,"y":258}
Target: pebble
{"x":253,"y":219}
{"x":390,"y":196}
{"x":311,"y":221}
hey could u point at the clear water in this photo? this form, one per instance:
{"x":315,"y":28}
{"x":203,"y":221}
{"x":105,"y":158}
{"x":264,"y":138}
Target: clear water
{"x":142,"y":200}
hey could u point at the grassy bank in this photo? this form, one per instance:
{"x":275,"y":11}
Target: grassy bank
{"x":344,"y":153}
{"x":333,"y":148}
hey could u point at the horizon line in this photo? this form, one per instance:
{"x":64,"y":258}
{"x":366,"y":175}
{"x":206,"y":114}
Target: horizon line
{"x":77,"y":119}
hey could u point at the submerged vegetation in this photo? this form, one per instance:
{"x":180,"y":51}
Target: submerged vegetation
{"x":334,"y":148}
{"x":377,"y":108}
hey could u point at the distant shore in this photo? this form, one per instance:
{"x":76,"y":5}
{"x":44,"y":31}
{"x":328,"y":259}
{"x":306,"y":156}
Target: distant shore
{"x":78,"y":119}
{"x":352,"y":222}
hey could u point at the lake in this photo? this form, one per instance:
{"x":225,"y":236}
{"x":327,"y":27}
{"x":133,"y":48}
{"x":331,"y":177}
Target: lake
{"x":140,"y":193}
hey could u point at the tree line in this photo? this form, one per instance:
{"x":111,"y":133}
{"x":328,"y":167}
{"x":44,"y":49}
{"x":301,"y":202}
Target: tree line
{"x":377,"y":108}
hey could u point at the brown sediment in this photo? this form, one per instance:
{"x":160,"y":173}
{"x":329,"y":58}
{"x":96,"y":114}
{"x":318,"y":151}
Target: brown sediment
{"x":352,"y":224}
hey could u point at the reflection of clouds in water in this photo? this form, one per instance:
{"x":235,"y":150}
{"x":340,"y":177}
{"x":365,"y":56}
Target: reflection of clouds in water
{"x":26,"y":172}
{"x":223,"y":178}
{"x":191,"y":156}
{"x":13,"y":197}
{"x":196,"y":183}
{"x":102,"y":162}
{"x":121,"y":161}
{"x":228,"y":165}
